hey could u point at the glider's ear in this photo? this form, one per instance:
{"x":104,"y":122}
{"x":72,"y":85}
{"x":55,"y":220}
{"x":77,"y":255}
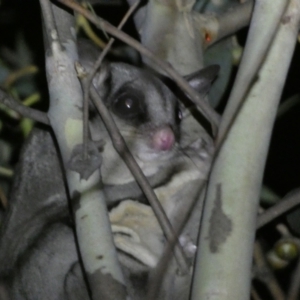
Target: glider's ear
{"x":201,"y":80}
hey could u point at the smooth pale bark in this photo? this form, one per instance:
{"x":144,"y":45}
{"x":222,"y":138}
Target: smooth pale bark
{"x":169,"y":32}
{"x":224,"y":258}
{"x":93,"y":228}
{"x":264,"y":24}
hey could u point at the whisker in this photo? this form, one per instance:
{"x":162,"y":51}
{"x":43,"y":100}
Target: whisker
{"x":133,"y":132}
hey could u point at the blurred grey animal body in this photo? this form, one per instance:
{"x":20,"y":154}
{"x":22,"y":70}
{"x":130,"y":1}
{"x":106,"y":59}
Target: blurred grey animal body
{"x":39,"y":259}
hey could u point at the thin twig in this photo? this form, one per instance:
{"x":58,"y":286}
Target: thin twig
{"x":25,"y":111}
{"x":254,"y":294}
{"x":287,"y":105}
{"x":141,"y":179}
{"x":268,"y":277}
{"x":290,"y":201}
{"x":14,"y":76}
{"x":293,"y":292}
{"x":203,"y":106}
{"x":91,"y":75}
{"x":215,"y":28}
{"x":6,"y":172}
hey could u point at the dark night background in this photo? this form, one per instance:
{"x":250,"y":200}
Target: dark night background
{"x":282,"y":172}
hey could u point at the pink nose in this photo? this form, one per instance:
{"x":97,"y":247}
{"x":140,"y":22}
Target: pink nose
{"x":163,"y":139}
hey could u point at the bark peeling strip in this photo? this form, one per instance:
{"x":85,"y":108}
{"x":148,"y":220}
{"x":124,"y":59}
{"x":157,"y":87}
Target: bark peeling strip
{"x":220,"y":225}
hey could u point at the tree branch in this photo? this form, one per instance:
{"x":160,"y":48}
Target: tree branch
{"x":49,"y":23}
{"x":294,"y":288}
{"x":234,"y":185}
{"x":265,"y":274}
{"x":266,"y":15}
{"x":290,"y":201}
{"x":23,"y":110}
{"x":93,"y":228}
{"x":214,"y":28}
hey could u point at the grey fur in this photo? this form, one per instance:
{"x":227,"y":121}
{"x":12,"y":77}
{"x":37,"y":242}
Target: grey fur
{"x":39,"y":259}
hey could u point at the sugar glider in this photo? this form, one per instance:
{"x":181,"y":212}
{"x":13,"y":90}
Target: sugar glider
{"x":39,"y":259}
